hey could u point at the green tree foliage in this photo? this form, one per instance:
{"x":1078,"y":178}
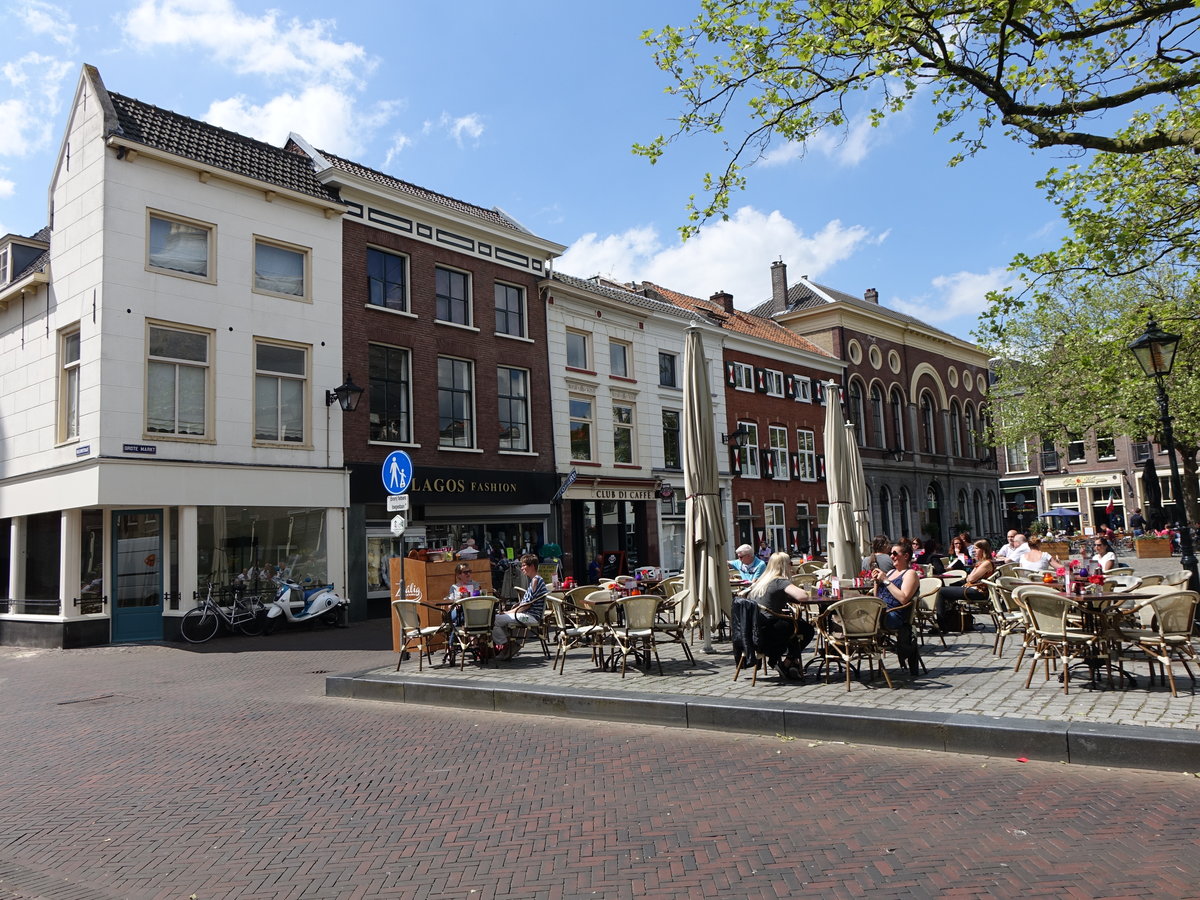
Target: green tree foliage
{"x":1066,"y":369}
{"x":1048,"y":73}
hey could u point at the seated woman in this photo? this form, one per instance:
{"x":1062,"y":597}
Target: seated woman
{"x":971,"y":590}
{"x":464,"y":586}
{"x":529,"y":608}
{"x":1105,"y":557}
{"x":774,"y":590}
{"x":898,"y":589}
{"x":879,"y":554}
{"x":960,"y":555}
{"x":1038,"y":559}
{"x":928,"y":555}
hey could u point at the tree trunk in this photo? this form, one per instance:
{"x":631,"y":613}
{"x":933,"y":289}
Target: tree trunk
{"x":1187,"y":474}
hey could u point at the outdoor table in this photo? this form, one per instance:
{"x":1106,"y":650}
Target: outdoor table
{"x":1100,"y":614}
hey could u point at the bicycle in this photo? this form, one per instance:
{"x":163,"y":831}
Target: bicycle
{"x":245,"y":614}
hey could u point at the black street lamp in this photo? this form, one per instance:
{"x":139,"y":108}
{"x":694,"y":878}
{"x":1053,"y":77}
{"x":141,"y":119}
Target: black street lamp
{"x":1155,"y":353}
{"x":346,"y":395}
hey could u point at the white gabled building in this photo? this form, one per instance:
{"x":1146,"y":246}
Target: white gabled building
{"x":616,"y":382}
{"x":166,"y":346}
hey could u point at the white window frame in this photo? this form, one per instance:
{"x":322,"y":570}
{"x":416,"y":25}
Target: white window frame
{"x":406,"y":265}
{"x":523,"y":333}
{"x":806,"y":449}
{"x":743,"y":377}
{"x":468,"y":299}
{"x":69,"y":353}
{"x":305,"y":254}
{"x":625,"y":355}
{"x":469,"y":440}
{"x":774,"y":382}
{"x":775,"y":525}
{"x":1016,"y":457}
{"x":210,"y":260}
{"x":586,"y":338}
{"x":1112,"y":441}
{"x":1081,"y":446}
{"x":750,"y":468}
{"x":376,"y":393}
{"x":5,"y":257}
{"x":803,"y":390}
{"x":524,"y":400}
{"x":178,"y":363}
{"x":589,"y":420}
{"x":262,"y":375}
{"x":780,"y":448}
{"x":629,"y":428}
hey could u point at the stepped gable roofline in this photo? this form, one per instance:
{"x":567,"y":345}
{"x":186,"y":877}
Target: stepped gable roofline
{"x":136,"y":122}
{"x":327,"y":164}
{"x":596,"y":285}
{"x":742,"y":322}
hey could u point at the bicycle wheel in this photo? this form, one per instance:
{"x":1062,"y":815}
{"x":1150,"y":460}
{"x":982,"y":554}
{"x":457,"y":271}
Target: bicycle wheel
{"x":255,"y":621}
{"x":199,"y":625}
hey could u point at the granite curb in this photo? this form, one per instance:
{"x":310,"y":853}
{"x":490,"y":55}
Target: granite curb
{"x":1081,"y":743}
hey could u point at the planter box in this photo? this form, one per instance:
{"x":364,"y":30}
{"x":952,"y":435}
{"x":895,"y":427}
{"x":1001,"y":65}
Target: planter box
{"x":1160,"y":549}
{"x":1060,"y":550}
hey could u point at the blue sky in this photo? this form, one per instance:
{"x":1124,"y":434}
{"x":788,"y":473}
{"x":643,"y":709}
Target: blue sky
{"x":532,"y":106}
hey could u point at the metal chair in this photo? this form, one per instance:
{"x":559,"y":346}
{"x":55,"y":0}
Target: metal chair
{"x":409,"y":614}
{"x":1171,"y":635}
{"x":852,"y":630}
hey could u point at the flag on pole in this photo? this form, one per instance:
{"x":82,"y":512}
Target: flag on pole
{"x":1108,"y":510}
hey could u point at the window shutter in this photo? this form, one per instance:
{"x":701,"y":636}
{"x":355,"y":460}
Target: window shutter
{"x":818,"y":389}
{"x":768,"y":462}
{"x":760,"y":380}
{"x":730,"y":375}
{"x":789,"y":384}
{"x":794,"y":460}
{"x":735,"y":456}
{"x":820,"y":467}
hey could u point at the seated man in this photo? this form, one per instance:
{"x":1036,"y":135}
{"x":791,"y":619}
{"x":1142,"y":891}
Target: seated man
{"x":747,"y":564}
{"x":529,"y":608}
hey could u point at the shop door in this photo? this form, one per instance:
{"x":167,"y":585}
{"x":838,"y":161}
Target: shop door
{"x":138,"y":586}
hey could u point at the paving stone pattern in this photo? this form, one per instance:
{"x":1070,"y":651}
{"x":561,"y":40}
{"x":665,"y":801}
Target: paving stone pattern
{"x":169,"y":772}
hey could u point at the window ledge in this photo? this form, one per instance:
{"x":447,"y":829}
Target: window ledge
{"x":471,"y":328}
{"x":518,"y":453}
{"x":278,"y":445}
{"x":403,"y":313}
{"x":393,"y":443}
{"x":626,"y":466}
{"x":459,"y":449}
{"x":515,"y":337}
{"x":181,"y":439}
{"x":584,"y":462}
{"x":624,"y":378}
{"x":580,"y":371}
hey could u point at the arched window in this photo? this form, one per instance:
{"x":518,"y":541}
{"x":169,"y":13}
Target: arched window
{"x":928,"y":434}
{"x":885,"y":510}
{"x":897,"y":420}
{"x":979,"y":523}
{"x":855,"y":402}
{"x":972,"y":431}
{"x":964,"y":511}
{"x":905,"y":514}
{"x":956,"y":445}
{"x":878,"y":437}
{"x":993,"y":523}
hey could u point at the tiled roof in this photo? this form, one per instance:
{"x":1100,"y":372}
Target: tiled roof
{"x":801,"y":296}
{"x":192,"y":139}
{"x":491,"y":216}
{"x":624,"y":296}
{"x":747,"y":323}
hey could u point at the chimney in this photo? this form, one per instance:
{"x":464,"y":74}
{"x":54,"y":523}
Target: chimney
{"x":871,"y":296}
{"x":725,"y":299}
{"x":779,"y":285}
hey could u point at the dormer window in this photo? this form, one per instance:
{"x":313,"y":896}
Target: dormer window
{"x":4,"y":273}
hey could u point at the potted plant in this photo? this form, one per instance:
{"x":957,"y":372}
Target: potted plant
{"x":1152,"y":546}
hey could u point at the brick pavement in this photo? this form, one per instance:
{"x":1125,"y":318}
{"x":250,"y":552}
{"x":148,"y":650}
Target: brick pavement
{"x":166,"y":772}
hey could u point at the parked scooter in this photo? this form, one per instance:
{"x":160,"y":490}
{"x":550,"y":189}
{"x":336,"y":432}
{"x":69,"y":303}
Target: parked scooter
{"x":316,"y":602}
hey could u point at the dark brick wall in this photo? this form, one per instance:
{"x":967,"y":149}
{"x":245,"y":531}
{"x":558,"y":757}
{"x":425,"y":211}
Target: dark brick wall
{"x":428,"y":340}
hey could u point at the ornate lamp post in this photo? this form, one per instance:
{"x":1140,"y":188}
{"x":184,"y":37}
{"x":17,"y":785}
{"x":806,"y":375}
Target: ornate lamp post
{"x":1155,"y":353}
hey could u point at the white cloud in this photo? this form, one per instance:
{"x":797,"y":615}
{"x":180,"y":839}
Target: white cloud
{"x":324,"y":115}
{"x":7,"y":188}
{"x":399,"y":142}
{"x":46,"y":19}
{"x":469,"y":126}
{"x":27,"y":117}
{"x":262,"y":45}
{"x":23,"y":128}
{"x":959,"y":296}
{"x":733,"y":255}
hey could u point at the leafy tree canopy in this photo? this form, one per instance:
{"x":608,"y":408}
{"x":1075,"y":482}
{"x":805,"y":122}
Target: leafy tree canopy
{"x":1049,"y":73}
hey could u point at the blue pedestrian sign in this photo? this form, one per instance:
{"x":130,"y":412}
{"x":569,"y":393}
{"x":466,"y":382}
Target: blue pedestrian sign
{"x":397,"y":472}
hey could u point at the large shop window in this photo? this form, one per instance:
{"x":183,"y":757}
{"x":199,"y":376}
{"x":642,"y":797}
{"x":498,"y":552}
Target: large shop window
{"x":250,"y":544}
{"x":43,"y":546}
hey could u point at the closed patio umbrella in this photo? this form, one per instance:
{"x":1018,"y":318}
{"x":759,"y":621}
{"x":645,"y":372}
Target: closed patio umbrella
{"x":858,"y":495}
{"x":1156,"y":516}
{"x":843,"y":554}
{"x":705,"y":568}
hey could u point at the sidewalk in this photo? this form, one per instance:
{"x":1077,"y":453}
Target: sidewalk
{"x":969,"y":701}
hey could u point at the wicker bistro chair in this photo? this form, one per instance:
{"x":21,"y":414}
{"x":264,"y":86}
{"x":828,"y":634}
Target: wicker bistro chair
{"x":1005,"y":619}
{"x":1170,"y":638}
{"x":636,"y":632}
{"x":575,"y":594}
{"x":409,"y":615}
{"x":852,"y":630}
{"x":1053,"y":637}
{"x":953,"y":576}
{"x":574,"y":627}
{"x":474,"y":633}
{"x":1178,"y":579}
{"x":669,"y":630}
{"x":925,"y":615}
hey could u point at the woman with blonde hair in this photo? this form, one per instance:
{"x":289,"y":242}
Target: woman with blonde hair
{"x":774,"y":591}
